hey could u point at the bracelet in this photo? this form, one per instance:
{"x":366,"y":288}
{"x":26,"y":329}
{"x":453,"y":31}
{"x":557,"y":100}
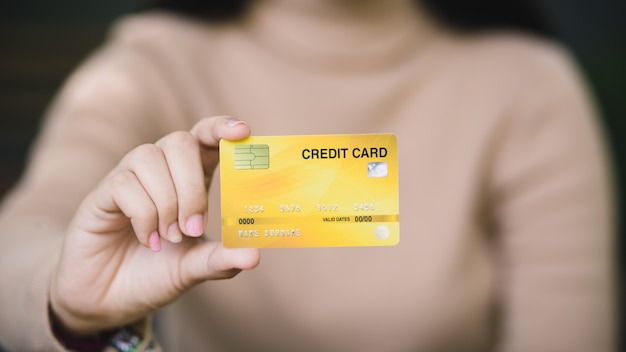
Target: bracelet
{"x":127,"y":340}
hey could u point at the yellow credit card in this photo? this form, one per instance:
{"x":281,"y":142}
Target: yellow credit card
{"x":310,"y":191}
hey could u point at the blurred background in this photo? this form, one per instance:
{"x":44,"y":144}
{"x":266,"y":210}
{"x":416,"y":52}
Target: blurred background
{"x":41,"y":41}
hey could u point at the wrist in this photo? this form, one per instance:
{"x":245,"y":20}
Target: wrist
{"x":80,"y":326}
{"x":125,"y":339}
{"x":84,"y":342}
{"x":81,"y":316}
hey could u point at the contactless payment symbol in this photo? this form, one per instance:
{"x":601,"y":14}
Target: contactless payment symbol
{"x":252,"y":156}
{"x":377,"y":169}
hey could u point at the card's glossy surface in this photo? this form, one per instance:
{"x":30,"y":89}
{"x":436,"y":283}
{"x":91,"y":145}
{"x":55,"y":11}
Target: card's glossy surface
{"x":310,"y":191}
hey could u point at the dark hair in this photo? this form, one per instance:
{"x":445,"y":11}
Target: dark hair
{"x":476,"y":15}
{"x":213,"y":10}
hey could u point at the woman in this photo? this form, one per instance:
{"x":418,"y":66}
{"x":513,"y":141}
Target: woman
{"x":505,"y":210}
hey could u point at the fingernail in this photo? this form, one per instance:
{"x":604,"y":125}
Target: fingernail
{"x":233,"y":122}
{"x":154,"y":242}
{"x":173,"y":233}
{"x":195,"y":226}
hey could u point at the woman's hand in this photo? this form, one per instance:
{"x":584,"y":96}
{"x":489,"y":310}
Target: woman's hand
{"x":133,"y":244}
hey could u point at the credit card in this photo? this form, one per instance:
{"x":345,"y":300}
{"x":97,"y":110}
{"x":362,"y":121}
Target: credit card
{"x":310,"y":191}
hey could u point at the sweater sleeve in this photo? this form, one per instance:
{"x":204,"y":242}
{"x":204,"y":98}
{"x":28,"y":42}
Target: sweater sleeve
{"x":104,"y":110}
{"x":553,"y":216}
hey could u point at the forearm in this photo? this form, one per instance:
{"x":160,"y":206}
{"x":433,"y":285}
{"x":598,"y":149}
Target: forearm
{"x":28,"y":258}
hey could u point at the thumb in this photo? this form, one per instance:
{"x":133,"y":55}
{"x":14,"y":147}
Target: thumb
{"x":210,"y":131}
{"x":212,"y":261}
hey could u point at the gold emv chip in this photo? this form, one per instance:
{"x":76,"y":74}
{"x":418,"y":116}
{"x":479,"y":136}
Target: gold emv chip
{"x":252,"y":156}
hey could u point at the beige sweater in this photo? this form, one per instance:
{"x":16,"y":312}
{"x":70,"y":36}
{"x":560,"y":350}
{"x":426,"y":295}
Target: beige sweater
{"x":505,"y":207}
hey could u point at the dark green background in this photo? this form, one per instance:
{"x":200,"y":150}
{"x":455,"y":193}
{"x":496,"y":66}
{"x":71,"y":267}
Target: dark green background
{"x":41,"y":41}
